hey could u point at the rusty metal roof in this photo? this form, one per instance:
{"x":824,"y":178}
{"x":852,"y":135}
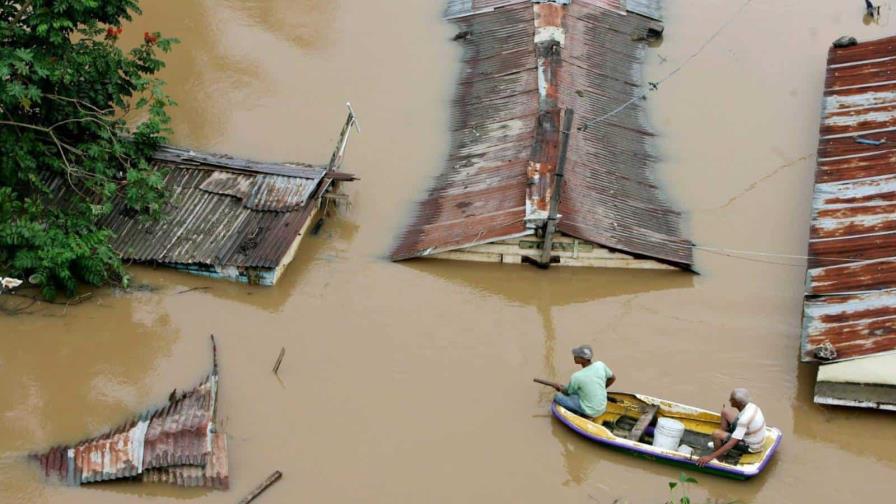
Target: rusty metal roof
{"x":855,"y":325}
{"x":850,"y":307}
{"x":523,"y":62}
{"x":213,"y":474}
{"x":222,"y":211}
{"x":177,"y":443}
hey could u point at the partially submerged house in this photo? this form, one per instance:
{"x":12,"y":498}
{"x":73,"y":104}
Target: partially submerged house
{"x":551,"y":159}
{"x":849,"y":318}
{"x":228,"y":218}
{"x":177,"y":444}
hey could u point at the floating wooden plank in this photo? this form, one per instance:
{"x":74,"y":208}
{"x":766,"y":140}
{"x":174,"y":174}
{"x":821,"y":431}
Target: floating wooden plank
{"x":273,"y":478}
{"x":279,"y":360}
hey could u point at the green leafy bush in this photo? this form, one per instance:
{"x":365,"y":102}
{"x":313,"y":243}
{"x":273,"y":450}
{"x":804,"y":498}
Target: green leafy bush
{"x":67,"y":96}
{"x":679,"y":491}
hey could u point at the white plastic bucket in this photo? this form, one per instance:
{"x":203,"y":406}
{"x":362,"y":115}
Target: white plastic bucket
{"x":667,"y":434}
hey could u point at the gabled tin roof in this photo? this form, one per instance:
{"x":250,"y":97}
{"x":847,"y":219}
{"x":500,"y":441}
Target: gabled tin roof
{"x":525,"y":62}
{"x":850,"y":306}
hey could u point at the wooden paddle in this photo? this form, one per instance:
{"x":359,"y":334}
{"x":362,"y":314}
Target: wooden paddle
{"x":547,"y":383}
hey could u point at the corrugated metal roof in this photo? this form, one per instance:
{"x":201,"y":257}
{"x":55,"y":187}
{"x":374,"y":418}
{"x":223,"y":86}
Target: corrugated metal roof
{"x":177,"y":444}
{"x":466,"y":7}
{"x":214,"y":474}
{"x":649,"y":8}
{"x":850,"y":307}
{"x":855,"y":325}
{"x":222,"y":212}
{"x":522,"y":64}
{"x":178,"y":156}
{"x":610,"y":196}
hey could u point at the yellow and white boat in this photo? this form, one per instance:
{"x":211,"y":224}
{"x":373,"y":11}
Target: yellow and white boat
{"x":627,"y":425}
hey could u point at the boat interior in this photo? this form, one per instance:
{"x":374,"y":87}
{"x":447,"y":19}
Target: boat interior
{"x":631,"y":418}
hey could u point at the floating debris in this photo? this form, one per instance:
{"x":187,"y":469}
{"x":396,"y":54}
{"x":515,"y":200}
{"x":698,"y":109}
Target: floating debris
{"x":176,"y":444}
{"x":264,"y":485}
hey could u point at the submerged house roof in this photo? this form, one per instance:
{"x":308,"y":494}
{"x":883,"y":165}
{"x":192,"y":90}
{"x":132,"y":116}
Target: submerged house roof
{"x":226,"y":217}
{"x":526,"y":67}
{"x":850,"y":303}
{"x":177,"y":444}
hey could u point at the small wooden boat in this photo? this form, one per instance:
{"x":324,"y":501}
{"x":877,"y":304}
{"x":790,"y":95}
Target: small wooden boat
{"x":626,"y":426}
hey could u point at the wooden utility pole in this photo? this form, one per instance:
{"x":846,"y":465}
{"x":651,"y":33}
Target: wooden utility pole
{"x":550,"y":226}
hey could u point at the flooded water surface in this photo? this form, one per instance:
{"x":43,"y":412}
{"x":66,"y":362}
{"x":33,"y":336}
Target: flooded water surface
{"x":412,"y":382}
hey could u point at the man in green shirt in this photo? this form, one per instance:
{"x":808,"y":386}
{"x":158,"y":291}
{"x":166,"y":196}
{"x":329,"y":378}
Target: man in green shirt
{"x":586,"y":393}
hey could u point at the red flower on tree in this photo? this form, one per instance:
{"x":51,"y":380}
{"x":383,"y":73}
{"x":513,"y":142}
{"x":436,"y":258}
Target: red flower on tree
{"x":112,"y":32}
{"x":150,"y":38}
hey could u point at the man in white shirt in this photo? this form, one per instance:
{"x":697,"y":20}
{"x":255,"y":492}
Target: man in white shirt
{"x":743,"y":426}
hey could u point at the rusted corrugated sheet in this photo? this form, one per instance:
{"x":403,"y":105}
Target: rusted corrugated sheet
{"x":179,"y":433}
{"x":850,"y":308}
{"x":855,"y":325}
{"x":522,"y":64}
{"x":480,"y":195}
{"x":214,"y":474}
{"x":610,"y":196}
{"x":222,"y":212}
{"x":178,"y":439}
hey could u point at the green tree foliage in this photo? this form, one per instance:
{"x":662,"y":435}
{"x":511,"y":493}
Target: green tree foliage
{"x":68,"y":94}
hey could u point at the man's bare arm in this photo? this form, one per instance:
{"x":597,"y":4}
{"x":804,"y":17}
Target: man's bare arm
{"x":725,"y":448}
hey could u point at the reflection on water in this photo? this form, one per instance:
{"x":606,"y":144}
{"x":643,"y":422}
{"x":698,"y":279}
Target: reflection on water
{"x":64,"y":378}
{"x":546,"y":291}
{"x":102,"y":370}
{"x":854,"y":430}
{"x":308,"y":31}
{"x":322,"y":251}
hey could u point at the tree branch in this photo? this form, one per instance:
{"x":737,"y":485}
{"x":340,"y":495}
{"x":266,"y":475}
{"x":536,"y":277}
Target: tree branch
{"x":21,"y":13}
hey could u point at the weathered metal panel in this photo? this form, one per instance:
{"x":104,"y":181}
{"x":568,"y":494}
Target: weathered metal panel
{"x":228,"y":183}
{"x":458,"y":8}
{"x":610,"y":196}
{"x":480,"y":195}
{"x":178,"y":156}
{"x":522,"y":64}
{"x":279,"y":194}
{"x":648,"y":8}
{"x":271,"y":193}
{"x":179,"y":433}
{"x":850,"y":305}
{"x":854,"y":325}
{"x":177,"y":439}
{"x":233,"y":216}
{"x":214,"y":474}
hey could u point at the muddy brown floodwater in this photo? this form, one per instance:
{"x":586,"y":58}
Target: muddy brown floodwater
{"x":412,"y":382}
